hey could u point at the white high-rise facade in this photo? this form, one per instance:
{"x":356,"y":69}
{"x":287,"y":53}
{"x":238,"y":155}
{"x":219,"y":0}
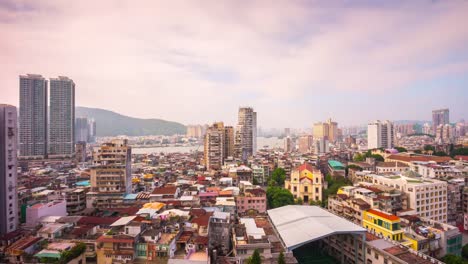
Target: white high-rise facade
{"x":8,"y":169}
{"x":82,"y":129}
{"x":62,"y":117}
{"x":380,"y":134}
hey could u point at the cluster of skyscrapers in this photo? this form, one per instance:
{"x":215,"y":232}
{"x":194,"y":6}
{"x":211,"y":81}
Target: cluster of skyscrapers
{"x":43,"y":134}
{"x":221,"y":142}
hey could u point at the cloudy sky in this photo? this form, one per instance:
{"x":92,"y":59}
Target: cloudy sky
{"x":295,"y":62}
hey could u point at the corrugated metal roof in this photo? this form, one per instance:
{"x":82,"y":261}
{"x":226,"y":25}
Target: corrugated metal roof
{"x":298,"y":225}
{"x":123,"y":221}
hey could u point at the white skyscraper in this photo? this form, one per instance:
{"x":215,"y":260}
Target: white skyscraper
{"x":82,"y":129}
{"x":8,"y":166}
{"x":62,"y":117}
{"x":380,"y":134}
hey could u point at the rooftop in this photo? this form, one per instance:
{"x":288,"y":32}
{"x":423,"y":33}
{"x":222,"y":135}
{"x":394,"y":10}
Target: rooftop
{"x":384,"y":215}
{"x":336,"y":165}
{"x":298,"y":225}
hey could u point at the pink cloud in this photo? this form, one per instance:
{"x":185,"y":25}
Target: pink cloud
{"x":153,"y":52}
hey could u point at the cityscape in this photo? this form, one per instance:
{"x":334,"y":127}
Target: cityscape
{"x":231,"y":182}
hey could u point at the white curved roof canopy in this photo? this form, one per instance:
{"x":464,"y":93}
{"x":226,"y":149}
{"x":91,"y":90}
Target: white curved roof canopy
{"x":298,"y":225}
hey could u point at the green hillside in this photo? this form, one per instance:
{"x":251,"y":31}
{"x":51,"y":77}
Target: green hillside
{"x":113,"y":124}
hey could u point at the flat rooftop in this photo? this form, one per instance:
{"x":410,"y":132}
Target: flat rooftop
{"x":298,"y":225}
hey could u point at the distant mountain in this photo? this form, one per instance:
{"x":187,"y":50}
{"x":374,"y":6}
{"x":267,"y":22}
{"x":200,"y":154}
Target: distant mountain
{"x":109,"y":123}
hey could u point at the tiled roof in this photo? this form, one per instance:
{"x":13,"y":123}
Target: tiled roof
{"x":94,"y":220}
{"x":165,"y":190}
{"x":116,"y":239}
{"x":461,"y":157}
{"x":391,"y":164}
{"x":202,"y":220}
{"x":384,"y":215}
{"x":305,"y":166}
{"x":419,"y":158}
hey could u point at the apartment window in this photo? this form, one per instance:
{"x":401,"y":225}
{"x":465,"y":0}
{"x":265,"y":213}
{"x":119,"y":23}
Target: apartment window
{"x":368,"y":251}
{"x":306,"y":189}
{"x":376,"y":256}
{"x":295,"y":189}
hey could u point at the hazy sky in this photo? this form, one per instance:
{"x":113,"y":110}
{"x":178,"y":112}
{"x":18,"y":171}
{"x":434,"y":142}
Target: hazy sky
{"x":295,"y":62}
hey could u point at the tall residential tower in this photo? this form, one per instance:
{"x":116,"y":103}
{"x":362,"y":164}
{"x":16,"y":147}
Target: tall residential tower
{"x":380,"y":134}
{"x":62,"y":117}
{"x":8,"y":169}
{"x":439,"y":117}
{"x":246,"y":133}
{"x":214,"y":146}
{"x":33,"y":116}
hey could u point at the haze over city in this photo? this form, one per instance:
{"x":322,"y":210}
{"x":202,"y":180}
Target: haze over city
{"x":194,"y":62}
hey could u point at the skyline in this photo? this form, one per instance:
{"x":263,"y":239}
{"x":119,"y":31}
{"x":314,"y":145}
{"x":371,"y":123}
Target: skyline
{"x":222,"y":55}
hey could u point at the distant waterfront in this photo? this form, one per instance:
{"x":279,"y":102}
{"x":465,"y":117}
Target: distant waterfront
{"x":272,"y":142}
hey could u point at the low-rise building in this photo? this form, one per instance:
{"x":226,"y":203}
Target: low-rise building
{"x":391,"y":167}
{"x":384,"y":224}
{"x":252,"y":200}
{"x":36,"y":211}
{"x":76,"y":200}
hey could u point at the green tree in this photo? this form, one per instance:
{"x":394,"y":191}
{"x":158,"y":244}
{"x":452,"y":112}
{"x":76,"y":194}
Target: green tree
{"x":358,"y":157}
{"x":255,"y":181}
{"x":377,"y":157}
{"x":255,"y":258}
{"x":281,"y":259}
{"x":440,"y":154}
{"x":299,"y":201}
{"x":459,"y":151}
{"x":401,"y":149}
{"x":73,"y":253}
{"x":333,"y":186}
{"x":278,"y":197}
{"x":452,"y":259}
{"x":356,"y":167}
{"x":429,"y":147}
{"x":465,"y":251}
{"x":279,"y":175}
{"x":318,"y":203}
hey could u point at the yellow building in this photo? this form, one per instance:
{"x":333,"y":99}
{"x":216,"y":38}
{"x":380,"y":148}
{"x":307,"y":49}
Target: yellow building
{"x":327,"y":130}
{"x":320,"y":130}
{"x":384,"y":224}
{"x":306,"y":183}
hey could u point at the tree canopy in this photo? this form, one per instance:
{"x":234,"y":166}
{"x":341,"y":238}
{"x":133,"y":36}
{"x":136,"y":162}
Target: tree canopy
{"x":255,"y":258}
{"x":459,"y":151}
{"x":277,"y":197}
{"x":358,"y":157}
{"x":452,"y":259}
{"x":401,"y":149}
{"x":465,"y":252}
{"x":281,"y":259}
{"x":279,"y":175}
{"x":333,"y":186}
